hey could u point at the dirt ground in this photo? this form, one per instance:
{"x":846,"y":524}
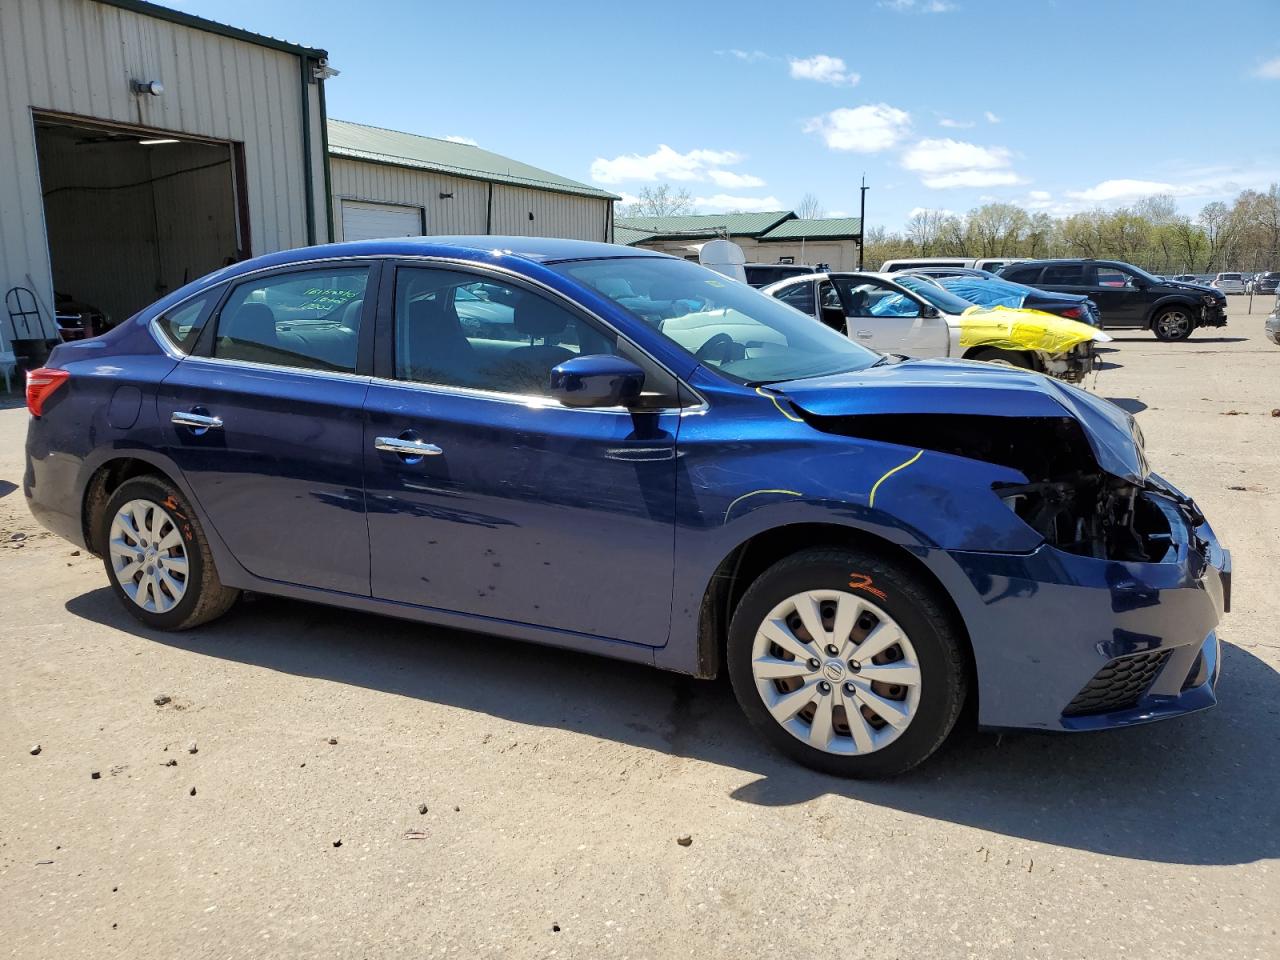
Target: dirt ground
{"x":556,"y":784}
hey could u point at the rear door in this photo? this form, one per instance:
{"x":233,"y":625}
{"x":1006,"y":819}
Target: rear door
{"x":265,"y":421}
{"x":489,"y":499}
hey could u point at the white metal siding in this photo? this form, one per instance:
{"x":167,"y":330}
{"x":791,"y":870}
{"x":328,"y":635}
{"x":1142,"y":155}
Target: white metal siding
{"x":371,"y":221}
{"x":78,"y":57}
{"x":466,"y":211}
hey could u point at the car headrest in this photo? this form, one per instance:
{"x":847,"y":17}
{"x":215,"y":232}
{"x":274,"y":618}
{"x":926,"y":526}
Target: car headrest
{"x":254,"y":322}
{"x":351,"y":315}
{"x":535,"y":317}
{"x":667,"y":290}
{"x":615,"y":287}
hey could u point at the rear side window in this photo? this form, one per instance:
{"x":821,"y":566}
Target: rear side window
{"x":1028,"y":274}
{"x":800,"y":296}
{"x":182,"y":324}
{"x":1062,"y":274}
{"x":307,"y":319}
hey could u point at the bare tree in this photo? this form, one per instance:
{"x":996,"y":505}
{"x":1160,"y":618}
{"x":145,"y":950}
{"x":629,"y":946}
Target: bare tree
{"x":661,"y":201}
{"x":810,"y":208}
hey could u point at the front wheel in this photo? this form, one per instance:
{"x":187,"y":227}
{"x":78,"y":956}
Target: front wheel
{"x":1173,"y":324}
{"x":157,"y":557}
{"x":847,"y":663}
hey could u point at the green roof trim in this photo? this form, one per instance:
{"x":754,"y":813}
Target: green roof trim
{"x":147,"y":9}
{"x":628,"y":237}
{"x":358,"y":141}
{"x":835,"y":228}
{"x":706,"y":224}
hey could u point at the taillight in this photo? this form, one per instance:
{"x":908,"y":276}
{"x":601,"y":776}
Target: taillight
{"x":1072,"y":312}
{"x":41,"y":385}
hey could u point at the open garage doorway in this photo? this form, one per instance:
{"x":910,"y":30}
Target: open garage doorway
{"x":132,"y":214}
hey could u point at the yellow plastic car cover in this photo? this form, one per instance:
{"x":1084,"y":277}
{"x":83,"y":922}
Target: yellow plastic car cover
{"x":1008,"y":328}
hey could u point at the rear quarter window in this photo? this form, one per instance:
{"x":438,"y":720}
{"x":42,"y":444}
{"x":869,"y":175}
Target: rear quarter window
{"x":181,"y":325}
{"x":1028,"y":274}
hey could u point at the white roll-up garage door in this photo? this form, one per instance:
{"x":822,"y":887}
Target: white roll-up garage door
{"x":371,"y":221}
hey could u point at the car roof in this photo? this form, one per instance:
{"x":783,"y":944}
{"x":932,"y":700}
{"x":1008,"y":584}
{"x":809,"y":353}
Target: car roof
{"x":532,"y":249}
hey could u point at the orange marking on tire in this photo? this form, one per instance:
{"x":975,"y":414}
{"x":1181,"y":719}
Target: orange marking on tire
{"x":860,"y":581}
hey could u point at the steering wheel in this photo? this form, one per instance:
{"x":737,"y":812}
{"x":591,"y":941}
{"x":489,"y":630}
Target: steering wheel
{"x":722,"y":342}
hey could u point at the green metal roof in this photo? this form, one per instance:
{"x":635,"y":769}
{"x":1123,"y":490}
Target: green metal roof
{"x":835,"y":228}
{"x":627,"y":236}
{"x":706,"y":224}
{"x":213,"y":26}
{"x":356,"y":141}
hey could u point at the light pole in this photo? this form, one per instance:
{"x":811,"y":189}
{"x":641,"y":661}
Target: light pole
{"x":862,"y":222}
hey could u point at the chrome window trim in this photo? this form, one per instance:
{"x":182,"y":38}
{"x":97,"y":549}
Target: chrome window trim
{"x":158,"y":332}
{"x":701,"y":406}
{"x":535,"y":401}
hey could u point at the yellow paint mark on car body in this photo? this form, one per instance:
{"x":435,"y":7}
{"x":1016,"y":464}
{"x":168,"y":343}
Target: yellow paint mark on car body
{"x":871,"y":500}
{"x":781,"y":409}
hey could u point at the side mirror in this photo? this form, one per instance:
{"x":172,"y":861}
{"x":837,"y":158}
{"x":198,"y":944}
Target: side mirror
{"x":1138,"y":283}
{"x":600,"y":380}
{"x":929,"y":312}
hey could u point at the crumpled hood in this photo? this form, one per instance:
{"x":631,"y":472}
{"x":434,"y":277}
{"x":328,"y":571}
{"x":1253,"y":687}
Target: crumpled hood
{"x":1013,"y":328}
{"x":983,"y":389}
{"x":1194,"y":287}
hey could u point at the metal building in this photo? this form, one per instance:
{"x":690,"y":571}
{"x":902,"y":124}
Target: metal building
{"x":143,"y":147}
{"x":775,"y":237}
{"x":387,"y":183}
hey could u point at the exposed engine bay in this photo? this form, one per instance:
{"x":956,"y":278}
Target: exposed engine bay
{"x":1068,"y":499}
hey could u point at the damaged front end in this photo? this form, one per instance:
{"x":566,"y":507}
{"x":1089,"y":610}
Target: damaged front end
{"x":1064,"y":348}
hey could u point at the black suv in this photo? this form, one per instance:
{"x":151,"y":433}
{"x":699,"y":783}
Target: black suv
{"x":1129,"y":298}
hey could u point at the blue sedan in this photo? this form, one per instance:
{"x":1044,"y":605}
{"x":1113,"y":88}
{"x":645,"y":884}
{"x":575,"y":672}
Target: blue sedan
{"x":620,"y":452}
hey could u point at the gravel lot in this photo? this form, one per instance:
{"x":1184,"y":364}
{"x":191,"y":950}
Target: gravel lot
{"x":556,"y":784}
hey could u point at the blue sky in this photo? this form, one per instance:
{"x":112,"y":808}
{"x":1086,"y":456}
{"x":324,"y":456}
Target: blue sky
{"x":1055,"y":104}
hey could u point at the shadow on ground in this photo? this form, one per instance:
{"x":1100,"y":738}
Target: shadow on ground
{"x":1191,"y":341}
{"x":1197,"y":790}
{"x":1129,"y":404}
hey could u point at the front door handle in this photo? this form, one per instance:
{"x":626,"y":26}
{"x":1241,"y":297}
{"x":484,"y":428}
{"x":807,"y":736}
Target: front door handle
{"x":196,"y":421}
{"x":864,"y":334}
{"x":414,"y":449}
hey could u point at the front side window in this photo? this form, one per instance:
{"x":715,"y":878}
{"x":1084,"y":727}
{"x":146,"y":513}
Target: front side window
{"x":1113,"y":277}
{"x":748,"y":336}
{"x":183,"y":323}
{"x":305,"y":319}
{"x":798,"y":295}
{"x":457,"y":330}
{"x":873,"y":299}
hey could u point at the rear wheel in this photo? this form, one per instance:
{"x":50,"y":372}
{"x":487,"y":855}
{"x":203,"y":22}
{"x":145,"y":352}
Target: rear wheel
{"x":1005,"y":358}
{"x":846,"y":663}
{"x":157,"y":557}
{"x":1173,"y":324}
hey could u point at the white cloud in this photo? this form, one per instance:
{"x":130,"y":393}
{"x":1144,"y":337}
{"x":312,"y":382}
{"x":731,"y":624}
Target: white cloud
{"x":457,"y":139}
{"x":946,"y":163}
{"x":727,"y":178}
{"x":955,"y":124}
{"x":749,"y":56}
{"x":663,"y":164}
{"x":824,"y":69}
{"x":1270,"y":70}
{"x":990,"y":117}
{"x":1126,"y":191}
{"x":918,"y":6}
{"x":866,"y":129}
{"x":723,"y":202}
{"x":942,"y":211}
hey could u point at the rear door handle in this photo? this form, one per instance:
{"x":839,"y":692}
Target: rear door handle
{"x":196,"y":421}
{"x":416,"y":449}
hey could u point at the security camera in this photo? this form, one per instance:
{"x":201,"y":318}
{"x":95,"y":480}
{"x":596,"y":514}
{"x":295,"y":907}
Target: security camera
{"x":152,"y":87}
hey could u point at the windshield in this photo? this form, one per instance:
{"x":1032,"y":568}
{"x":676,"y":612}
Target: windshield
{"x":944,"y":300}
{"x":746,"y":335}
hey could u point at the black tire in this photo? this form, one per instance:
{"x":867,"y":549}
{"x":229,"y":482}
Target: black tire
{"x":1008,"y":358}
{"x":204,"y":598}
{"x":1174,"y":323}
{"x":939,"y":649}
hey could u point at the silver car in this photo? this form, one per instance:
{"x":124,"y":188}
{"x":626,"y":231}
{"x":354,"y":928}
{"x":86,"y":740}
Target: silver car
{"x":1272,"y":326}
{"x":1229,"y":282}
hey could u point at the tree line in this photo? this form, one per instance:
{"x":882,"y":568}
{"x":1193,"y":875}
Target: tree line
{"x":1152,"y":233}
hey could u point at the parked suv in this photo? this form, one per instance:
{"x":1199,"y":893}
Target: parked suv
{"x":1129,"y":297}
{"x":916,"y":263}
{"x":1229,"y":282}
{"x":763,"y":274}
{"x":1266,"y":282}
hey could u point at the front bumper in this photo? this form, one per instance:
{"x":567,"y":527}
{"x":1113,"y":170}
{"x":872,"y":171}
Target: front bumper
{"x":1067,"y":642}
{"x":1214,"y":315}
{"x":1072,"y":366}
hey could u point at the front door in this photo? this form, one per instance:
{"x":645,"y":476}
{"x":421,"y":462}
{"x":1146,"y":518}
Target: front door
{"x":265,"y":421}
{"x":487,"y":498}
{"x":1123,"y":303}
{"x":891,"y":320}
